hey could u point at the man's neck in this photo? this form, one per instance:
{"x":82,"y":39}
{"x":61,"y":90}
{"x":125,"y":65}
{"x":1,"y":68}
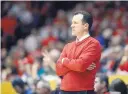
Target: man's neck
{"x":81,"y":35}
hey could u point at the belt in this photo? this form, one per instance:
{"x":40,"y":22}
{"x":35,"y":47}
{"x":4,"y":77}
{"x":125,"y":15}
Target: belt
{"x":77,"y":92}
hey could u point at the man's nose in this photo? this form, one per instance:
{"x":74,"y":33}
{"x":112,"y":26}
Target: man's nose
{"x":72,"y":25}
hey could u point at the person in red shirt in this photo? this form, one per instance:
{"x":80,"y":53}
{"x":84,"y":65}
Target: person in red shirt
{"x":79,"y":60}
{"x":123,"y":66}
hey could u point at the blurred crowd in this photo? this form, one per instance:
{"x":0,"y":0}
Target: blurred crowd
{"x":33,"y":35}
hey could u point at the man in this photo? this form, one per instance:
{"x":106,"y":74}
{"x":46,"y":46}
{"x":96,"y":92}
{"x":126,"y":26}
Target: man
{"x":43,"y":88}
{"x":76,"y":64}
{"x":101,"y":84}
{"x":118,"y":86}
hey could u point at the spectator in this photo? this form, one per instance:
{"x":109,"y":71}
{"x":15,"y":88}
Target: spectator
{"x":119,"y":86}
{"x":101,"y":84}
{"x":20,"y":86}
{"x":123,"y":67}
{"x":31,"y":42}
{"x":43,"y":88}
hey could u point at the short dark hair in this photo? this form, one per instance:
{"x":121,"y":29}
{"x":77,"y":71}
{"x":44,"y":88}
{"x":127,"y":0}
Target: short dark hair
{"x":118,"y":85}
{"x":18,"y":82}
{"x":87,"y":17}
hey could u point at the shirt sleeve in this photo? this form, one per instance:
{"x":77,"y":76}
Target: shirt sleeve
{"x":89,"y":55}
{"x":60,"y":68}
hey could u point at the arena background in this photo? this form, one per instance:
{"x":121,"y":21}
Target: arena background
{"x":31,"y":28}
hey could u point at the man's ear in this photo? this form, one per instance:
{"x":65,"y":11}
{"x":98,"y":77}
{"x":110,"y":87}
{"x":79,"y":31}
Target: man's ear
{"x":103,"y":83}
{"x":86,"y":25}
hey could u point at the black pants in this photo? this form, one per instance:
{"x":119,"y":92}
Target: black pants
{"x":77,"y":92}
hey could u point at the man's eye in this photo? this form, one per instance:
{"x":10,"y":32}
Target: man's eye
{"x":74,"y":23}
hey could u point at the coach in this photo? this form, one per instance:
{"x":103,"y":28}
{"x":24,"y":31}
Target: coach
{"x":79,"y":60}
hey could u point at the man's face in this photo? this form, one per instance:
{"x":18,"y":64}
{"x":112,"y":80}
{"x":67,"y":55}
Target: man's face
{"x":77,"y":25}
{"x":43,"y":91}
{"x":97,"y":84}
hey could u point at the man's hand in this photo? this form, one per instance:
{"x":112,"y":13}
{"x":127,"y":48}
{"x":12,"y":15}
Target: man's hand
{"x":92,"y":66}
{"x":63,"y":60}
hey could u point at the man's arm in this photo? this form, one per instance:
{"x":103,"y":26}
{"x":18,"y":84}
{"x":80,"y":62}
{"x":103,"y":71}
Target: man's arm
{"x":85,"y":59}
{"x":60,"y":68}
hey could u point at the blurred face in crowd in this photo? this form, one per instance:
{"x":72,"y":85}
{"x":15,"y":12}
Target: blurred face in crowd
{"x":43,"y":91}
{"x":78,"y":26}
{"x":98,"y":86}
